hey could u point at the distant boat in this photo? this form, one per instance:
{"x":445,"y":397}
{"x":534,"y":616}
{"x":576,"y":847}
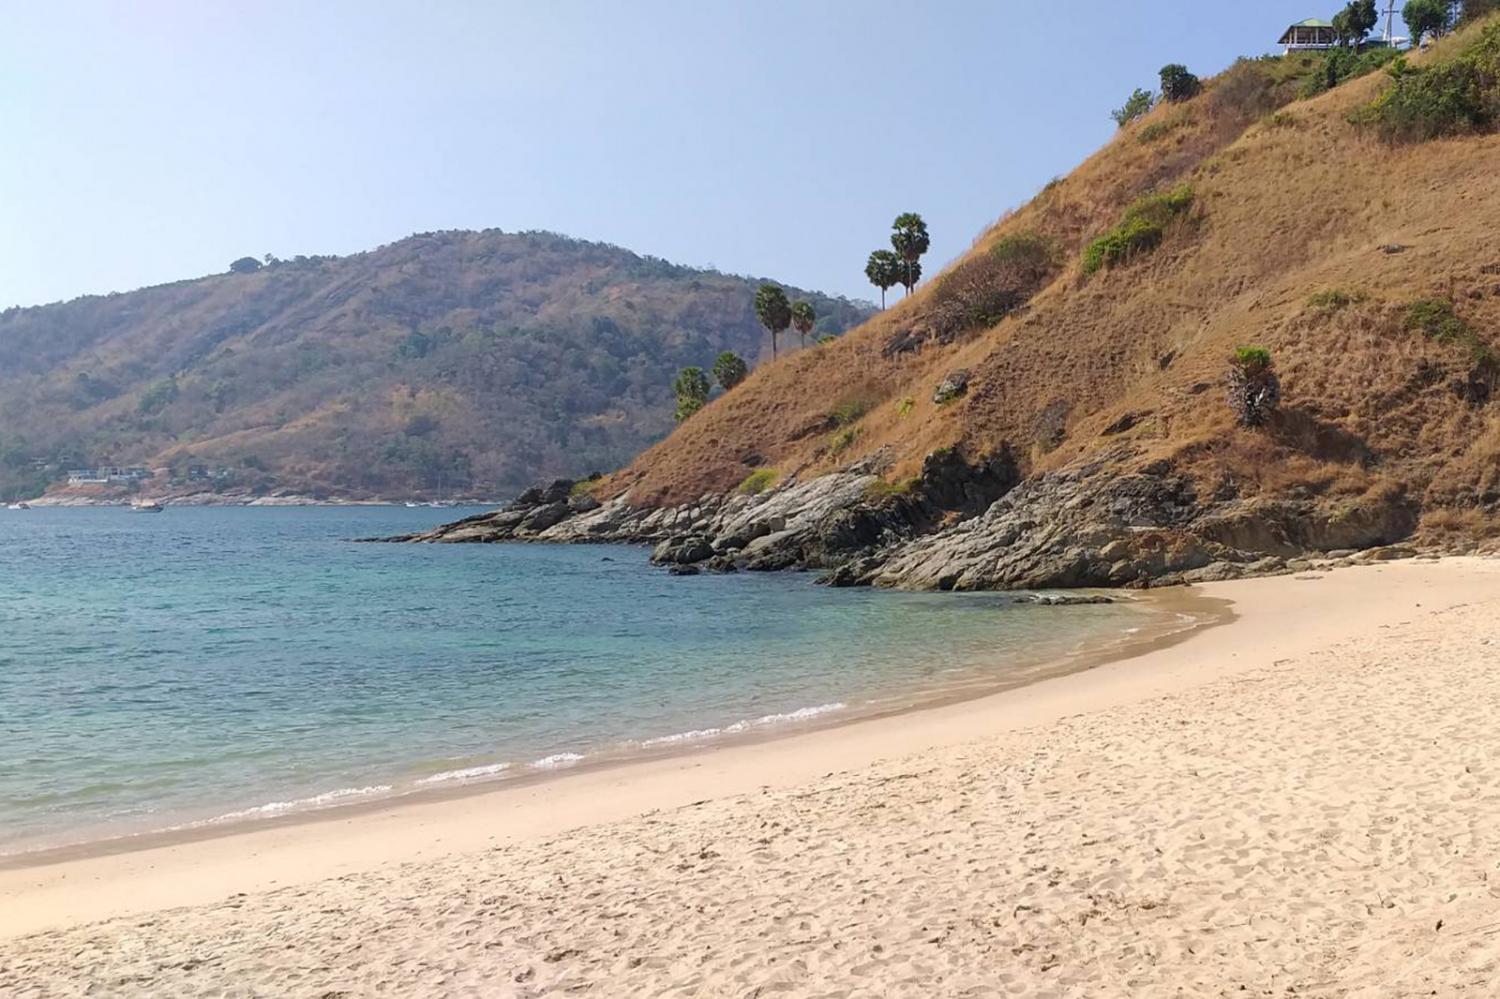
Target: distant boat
{"x":412,"y":506}
{"x":146,"y":506}
{"x":20,"y":505}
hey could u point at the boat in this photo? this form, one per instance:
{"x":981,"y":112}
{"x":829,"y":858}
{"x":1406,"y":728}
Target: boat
{"x":146,"y":506}
{"x":19,"y":505}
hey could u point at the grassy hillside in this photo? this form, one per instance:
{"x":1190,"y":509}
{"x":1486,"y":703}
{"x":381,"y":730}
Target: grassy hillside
{"x":1365,"y":257}
{"x":460,"y":362}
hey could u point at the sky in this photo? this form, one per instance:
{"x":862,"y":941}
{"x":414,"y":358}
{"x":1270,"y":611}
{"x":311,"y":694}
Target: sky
{"x":151,"y":141}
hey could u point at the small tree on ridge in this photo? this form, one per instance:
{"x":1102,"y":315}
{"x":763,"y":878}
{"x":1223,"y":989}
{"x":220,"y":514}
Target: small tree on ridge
{"x":729,"y":370}
{"x":910,"y":240}
{"x":803,"y":318}
{"x":774,"y":312}
{"x":884,"y":271}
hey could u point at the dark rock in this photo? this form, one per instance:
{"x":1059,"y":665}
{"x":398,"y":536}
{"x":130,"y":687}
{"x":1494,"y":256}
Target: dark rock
{"x":583,"y":503}
{"x":902,"y":342}
{"x":954,"y":386}
{"x":1392,"y":248}
{"x":1126,"y":422}
{"x":682,"y":551}
{"x":542,"y":517}
{"x":684,"y":570}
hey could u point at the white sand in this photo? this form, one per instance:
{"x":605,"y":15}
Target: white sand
{"x":1302,"y":802}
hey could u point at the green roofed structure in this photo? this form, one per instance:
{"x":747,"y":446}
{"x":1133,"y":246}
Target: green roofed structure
{"x":1309,"y":34}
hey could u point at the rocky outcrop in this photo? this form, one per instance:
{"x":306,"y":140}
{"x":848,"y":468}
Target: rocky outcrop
{"x":964,"y":524}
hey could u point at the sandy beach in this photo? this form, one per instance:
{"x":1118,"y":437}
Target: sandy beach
{"x":1301,"y":801}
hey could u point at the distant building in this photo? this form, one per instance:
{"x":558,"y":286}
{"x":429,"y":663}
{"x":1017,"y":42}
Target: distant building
{"x":1309,"y":35}
{"x":106,"y":475}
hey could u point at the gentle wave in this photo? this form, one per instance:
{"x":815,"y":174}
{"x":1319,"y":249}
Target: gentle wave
{"x":697,"y":735}
{"x":557,"y":761}
{"x":274,"y":808}
{"x":464,"y":774}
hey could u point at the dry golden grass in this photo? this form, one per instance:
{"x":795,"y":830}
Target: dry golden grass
{"x":1288,"y":205}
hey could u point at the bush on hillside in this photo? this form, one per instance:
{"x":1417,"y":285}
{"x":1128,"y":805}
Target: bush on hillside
{"x":691,"y":388}
{"x":1136,"y":105}
{"x":1436,"y":319}
{"x":1459,"y":96}
{"x":1341,"y":65}
{"x":849,"y":412}
{"x":759,"y":481}
{"x":1177,"y":84}
{"x":1254,"y":389}
{"x":844,"y":439}
{"x":1140,"y":231}
{"x":987,"y":287}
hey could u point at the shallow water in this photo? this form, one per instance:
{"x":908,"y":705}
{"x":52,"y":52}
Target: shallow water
{"x":207,"y":664}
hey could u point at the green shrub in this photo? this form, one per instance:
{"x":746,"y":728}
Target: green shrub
{"x":1177,"y":84}
{"x":1456,"y":97}
{"x":881,"y":489}
{"x":1279,"y":119}
{"x":759,"y":481}
{"x":586,"y":487}
{"x":1342,"y":64}
{"x":1137,"y":104}
{"x":1435,"y":319}
{"x":843,"y":439}
{"x":1140,"y":231}
{"x":849,"y":412}
{"x":1252,"y":359}
{"x":904,"y":406}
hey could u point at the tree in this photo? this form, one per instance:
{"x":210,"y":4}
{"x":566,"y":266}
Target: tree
{"x":1254,"y":389}
{"x":803,"y":318}
{"x":909,"y":240}
{"x":1177,"y":84}
{"x":774,"y":312}
{"x":1426,"y":17}
{"x":1136,"y":105}
{"x":911,"y":275}
{"x":1355,"y":21}
{"x":729,"y":370}
{"x":691,"y":386}
{"x":245,"y":265}
{"x":884,"y":271}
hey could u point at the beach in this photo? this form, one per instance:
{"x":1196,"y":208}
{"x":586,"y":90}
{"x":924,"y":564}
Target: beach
{"x":1301,"y":800}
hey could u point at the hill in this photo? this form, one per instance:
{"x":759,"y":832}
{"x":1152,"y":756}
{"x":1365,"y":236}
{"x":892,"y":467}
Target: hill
{"x":1084,"y":435}
{"x":449,"y":363}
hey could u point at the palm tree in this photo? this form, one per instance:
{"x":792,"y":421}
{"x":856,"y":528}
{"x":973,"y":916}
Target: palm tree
{"x":803,"y":318}
{"x":883,"y":269}
{"x":729,"y":369}
{"x":774,"y":312}
{"x":909,"y":240}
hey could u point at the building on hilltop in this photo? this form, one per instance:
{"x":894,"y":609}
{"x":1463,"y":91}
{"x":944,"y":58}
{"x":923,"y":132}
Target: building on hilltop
{"x":108,"y":474}
{"x":1311,"y":34}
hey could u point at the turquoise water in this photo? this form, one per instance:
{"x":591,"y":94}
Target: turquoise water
{"x":203,"y":665}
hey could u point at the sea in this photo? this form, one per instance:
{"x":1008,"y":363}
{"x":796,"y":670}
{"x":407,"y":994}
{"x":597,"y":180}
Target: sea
{"x":212,"y":665}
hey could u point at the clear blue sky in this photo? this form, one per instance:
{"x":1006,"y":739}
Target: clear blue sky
{"x":151,"y":141}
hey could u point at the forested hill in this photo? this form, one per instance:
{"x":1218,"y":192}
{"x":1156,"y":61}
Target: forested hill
{"x":452,"y":363}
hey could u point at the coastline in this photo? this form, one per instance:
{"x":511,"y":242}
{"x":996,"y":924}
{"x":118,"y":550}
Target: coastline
{"x":1274,"y":622}
{"x":1166,"y":616}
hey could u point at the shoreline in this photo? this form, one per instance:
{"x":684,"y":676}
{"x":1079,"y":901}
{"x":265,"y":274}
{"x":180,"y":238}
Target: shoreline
{"x":1277,"y":619}
{"x":1168,"y":616}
